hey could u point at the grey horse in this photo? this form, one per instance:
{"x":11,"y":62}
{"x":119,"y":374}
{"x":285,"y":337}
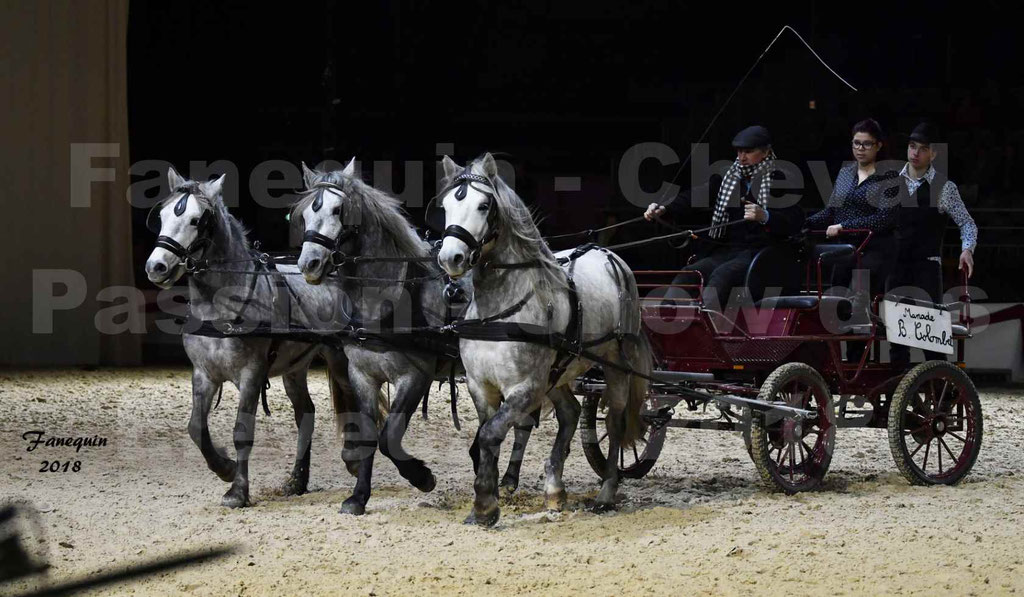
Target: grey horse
{"x":487,"y":229}
{"x":335,"y":205}
{"x":195,"y":224}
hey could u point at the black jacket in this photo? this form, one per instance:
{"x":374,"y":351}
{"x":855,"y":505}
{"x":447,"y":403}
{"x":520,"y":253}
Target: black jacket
{"x":783,"y":220}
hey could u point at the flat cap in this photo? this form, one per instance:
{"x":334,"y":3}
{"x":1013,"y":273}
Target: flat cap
{"x":926,"y":133}
{"x":752,"y":136}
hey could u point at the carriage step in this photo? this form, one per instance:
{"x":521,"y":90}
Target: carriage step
{"x":674,"y":376}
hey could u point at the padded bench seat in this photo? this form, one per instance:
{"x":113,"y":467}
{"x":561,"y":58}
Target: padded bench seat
{"x":839,"y":305}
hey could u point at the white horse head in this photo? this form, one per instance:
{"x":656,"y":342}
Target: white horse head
{"x":183,"y":222}
{"x":322,"y":212}
{"x":469,"y":211}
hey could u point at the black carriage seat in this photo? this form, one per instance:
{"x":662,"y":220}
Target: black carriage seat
{"x":779,"y":269}
{"x":776,"y":268}
{"x":838,"y":306}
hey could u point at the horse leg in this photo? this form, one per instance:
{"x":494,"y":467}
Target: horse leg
{"x":486,"y":400}
{"x":364,"y":430}
{"x":409,"y":390}
{"x":616,"y":393}
{"x":567,"y":411}
{"x":341,"y":397}
{"x":510,"y":480}
{"x":298,"y":392}
{"x":249,"y":387}
{"x":515,"y":409}
{"x":203,"y":391}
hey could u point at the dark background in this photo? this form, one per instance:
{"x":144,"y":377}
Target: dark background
{"x":564,"y":89}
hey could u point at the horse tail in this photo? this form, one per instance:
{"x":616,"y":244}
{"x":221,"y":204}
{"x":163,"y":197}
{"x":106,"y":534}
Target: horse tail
{"x":637,"y":351}
{"x":343,"y":399}
{"x":637,"y":355}
{"x":383,"y":408}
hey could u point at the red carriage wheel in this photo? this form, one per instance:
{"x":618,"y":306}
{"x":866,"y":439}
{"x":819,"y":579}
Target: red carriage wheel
{"x":935,"y":424}
{"x":634,"y":462}
{"x":793,"y":455}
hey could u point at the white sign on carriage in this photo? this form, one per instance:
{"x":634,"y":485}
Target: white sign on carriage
{"x":918,"y":327}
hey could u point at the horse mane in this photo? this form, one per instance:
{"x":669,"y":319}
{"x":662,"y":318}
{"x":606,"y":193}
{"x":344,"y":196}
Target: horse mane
{"x":376,"y":212}
{"x":519,"y":239}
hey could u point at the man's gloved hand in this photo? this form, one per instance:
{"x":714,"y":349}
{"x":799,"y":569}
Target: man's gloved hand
{"x":754,"y":213}
{"x":654,"y":210}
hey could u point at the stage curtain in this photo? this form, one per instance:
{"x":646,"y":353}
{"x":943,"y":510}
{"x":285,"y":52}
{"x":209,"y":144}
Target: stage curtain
{"x":65,"y":83}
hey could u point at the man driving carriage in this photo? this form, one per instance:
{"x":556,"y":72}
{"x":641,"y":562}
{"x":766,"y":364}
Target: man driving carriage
{"x":744,"y":193}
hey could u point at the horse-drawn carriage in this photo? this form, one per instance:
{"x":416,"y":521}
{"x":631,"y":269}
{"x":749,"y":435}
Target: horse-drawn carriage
{"x":774,"y":370}
{"x":537,"y":324}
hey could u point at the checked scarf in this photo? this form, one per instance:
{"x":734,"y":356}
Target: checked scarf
{"x":732,"y":178}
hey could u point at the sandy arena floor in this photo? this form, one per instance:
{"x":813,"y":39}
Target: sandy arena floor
{"x":700,"y":523}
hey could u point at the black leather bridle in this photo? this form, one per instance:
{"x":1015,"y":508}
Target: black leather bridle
{"x":461,"y":185}
{"x":204,"y":226}
{"x":333,"y":245}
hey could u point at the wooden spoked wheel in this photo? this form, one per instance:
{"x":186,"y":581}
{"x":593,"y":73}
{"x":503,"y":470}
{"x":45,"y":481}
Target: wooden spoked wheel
{"x":790,"y":454}
{"x":935,"y":424}
{"x":634,"y":462}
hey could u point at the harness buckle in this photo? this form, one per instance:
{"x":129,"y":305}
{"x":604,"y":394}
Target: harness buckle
{"x":195,"y":266}
{"x":338,"y":258}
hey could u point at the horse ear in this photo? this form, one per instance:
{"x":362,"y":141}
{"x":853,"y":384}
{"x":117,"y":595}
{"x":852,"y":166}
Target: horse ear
{"x":450,"y":167}
{"x":310,"y":177}
{"x":174,"y":180}
{"x":489,"y":166}
{"x":350,"y":169}
{"x":214,"y":188}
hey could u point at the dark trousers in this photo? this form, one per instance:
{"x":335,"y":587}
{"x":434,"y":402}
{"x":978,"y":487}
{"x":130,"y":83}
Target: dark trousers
{"x":869,"y":279}
{"x":723,"y":270}
{"x":920,"y":279}
{"x":864,"y":282}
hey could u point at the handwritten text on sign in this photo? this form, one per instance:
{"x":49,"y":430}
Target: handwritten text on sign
{"x":920,"y":327}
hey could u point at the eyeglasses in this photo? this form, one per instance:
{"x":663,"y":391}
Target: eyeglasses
{"x":864,"y":144}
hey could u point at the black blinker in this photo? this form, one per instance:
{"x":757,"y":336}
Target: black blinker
{"x":179,"y":207}
{"x":153,"y":219}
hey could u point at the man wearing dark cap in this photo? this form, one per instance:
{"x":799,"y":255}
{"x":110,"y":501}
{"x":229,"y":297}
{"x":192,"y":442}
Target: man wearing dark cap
{"x":927,"y":200}
{"x":744,"y":193}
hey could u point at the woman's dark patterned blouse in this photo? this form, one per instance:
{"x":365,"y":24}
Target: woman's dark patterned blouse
{"x":869,"y":205}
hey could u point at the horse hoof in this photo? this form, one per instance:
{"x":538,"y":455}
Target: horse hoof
{"x":486,"y":519}
{"x":353,"y":506}
{"x":602,"y":507}
{"x":428,"y":484}
{"x":508,"y":486}
{"x":555,"y":502}
{"x":235,"y":499}
{"x":295,"y":486}
{"x":227,"y":472}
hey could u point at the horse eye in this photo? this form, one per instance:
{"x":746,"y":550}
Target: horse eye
{"x":484,"y":207}
{"x":195,"y":221}
{"x":337,"y":211}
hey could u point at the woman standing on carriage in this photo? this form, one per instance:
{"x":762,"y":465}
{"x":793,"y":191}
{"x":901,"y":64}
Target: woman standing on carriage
{"x":865,"y":197}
